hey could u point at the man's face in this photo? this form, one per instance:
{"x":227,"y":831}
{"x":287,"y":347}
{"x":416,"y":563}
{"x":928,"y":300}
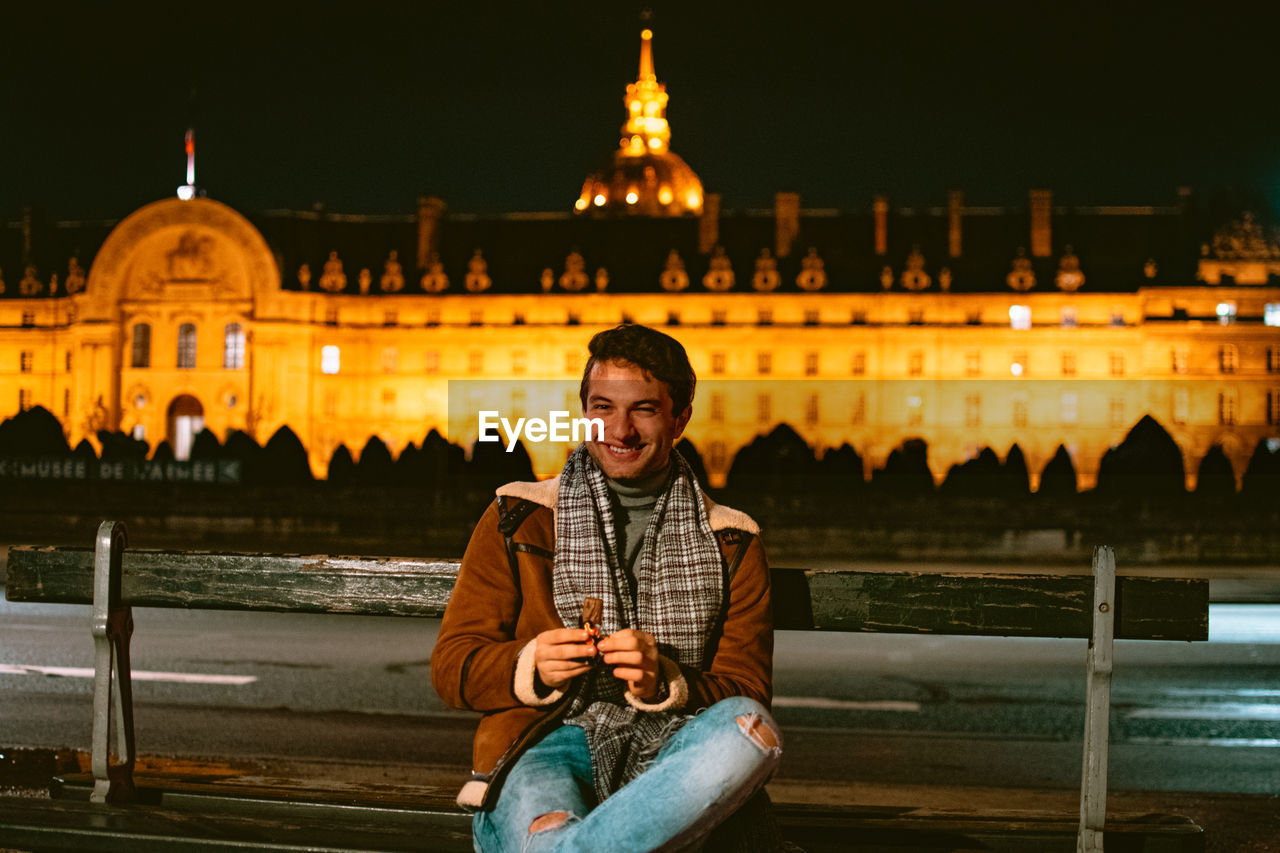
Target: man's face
{"x":639,"y":427}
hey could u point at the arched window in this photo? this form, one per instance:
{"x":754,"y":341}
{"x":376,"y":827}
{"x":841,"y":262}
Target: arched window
{"x":186,"y":346}
{"x":233,"y":347}
{"x":141,"y":345}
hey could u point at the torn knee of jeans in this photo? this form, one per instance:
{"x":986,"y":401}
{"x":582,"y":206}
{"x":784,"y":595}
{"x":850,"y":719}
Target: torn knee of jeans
{"x":759,"y":732}
{"x":548,"y":821}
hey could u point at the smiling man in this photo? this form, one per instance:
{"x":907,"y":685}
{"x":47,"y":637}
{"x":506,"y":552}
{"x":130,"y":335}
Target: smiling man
{"x":613,"y":625}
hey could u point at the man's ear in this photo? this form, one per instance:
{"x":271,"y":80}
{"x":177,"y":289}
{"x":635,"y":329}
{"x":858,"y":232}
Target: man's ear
{"x":682,"y":420}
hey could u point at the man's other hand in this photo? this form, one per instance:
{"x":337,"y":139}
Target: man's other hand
{"x":562,"y":654}
{"x":634,"y":657}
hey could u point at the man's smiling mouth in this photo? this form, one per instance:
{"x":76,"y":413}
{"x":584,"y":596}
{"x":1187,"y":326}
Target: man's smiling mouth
{"x":623,"y":451}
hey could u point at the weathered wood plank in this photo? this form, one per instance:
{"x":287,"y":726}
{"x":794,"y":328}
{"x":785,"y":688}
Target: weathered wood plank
{"x":369,"y":586}
{"x":979,"y":603}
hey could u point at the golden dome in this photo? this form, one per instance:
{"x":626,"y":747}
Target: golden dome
{"x":645,"y":178}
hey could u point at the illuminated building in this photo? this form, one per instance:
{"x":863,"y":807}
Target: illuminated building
{"x":965,"y":326}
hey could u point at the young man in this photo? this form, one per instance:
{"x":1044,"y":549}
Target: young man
{"x":589,"y":739}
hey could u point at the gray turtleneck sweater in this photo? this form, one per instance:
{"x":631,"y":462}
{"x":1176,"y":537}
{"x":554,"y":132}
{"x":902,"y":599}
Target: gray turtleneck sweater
{"x":633,"y":502}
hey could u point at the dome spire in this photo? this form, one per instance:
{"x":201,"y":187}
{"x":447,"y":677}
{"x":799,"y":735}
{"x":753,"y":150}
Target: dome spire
{"x":646,"y":57}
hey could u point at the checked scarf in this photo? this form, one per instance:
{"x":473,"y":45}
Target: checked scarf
{"x":680,"y":581}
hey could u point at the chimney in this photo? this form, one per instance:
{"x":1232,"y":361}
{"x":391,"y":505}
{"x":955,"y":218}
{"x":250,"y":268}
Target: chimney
{"x":786,"y":213}
{"x":430,"y":209}
{"x":881,"y":208}
{"x":709,"y":224}
{"x":1041,"y":229}
{"x":955,"y":212}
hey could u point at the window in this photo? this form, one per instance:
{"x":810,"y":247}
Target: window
{"x":859,"y":414}
{"x":719,"y":317}
{"x":1019,"y":411}
{"x":388,"y":398}
{"x":28,"y":318}
{"x":1273,"y":359}
{"x":1181,"y":405}
{"x":1069,"y":317}
{"x":1273,"y":407}
{"x":517,"y":319}
{"x":764,"y":363}
{"x":1018,"y":366}
{"x":1117,"y":363}
{"x":1226,"y":313}
{"x":331,"y":315}
{"x":972,"y":410}
{"x":68,"y":361}
{"x":518,"y":401}
{"x":915,"y":317}
{"x":24,"y":399}
{"x":915,"y":362}
{"x":233,"y":346}
{"x":859,"y":363}
{"x":1068,"y":363}
{"x":390,"y":318}
{"x":1069,"y":411}
{"x":858,"y":318}
{"x":915,"y":410}
{"x":718,"y":360}
{"x":433,"y":317}
{"x":476,"y":317}
{"x":573,"y":363}
{"x":764,"y":317}
{"x":973,"y":317}
{"x":717,"y":408}
{"x":673,"y":318}
{"x":66,"y":403}
{"x":973,"y":363}
{"x":519,"y":362}
{"x":330,"y":359}
{"x":331,"y":403}
{"x":1227,"y":405}
{"x":25,"y":361}
{"x":811,"y":410}
{"x":433,"y":362}
{"x":716,"y":456}
{"x":1271,"y":314}
{"x":811,"y":363}
{"x":1117,"y":411}
{"x":1117,"y":318}
{"x":141,"y":356}
{"x":140,"y":432}
{"x":1228,"y":358}
{"x":390,"y":360}
{"x":764,"y":408}
{"x":475,"y":361}
{"x":1178,"y":360}
{"x":812,"y":317}
{"x":1020,"y":317}
{"x":186,"y":346}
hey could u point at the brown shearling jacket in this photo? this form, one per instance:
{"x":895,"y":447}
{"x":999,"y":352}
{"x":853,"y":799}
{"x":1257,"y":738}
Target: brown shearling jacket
{"x":483,"y":658}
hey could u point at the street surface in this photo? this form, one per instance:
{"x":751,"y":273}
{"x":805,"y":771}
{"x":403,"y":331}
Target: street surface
{"x":853,"y":707}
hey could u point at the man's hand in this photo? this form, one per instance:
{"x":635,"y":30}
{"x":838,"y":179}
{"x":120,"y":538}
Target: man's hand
{"x":634,"y":657}
{"x":562,"y":654}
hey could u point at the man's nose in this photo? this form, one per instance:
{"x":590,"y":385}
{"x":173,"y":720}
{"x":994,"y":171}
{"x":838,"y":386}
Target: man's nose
{"x":619,"y":428}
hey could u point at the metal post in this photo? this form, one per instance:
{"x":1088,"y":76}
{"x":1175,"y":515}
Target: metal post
{"x":1093,"y":785}
{"x":112,"y":682}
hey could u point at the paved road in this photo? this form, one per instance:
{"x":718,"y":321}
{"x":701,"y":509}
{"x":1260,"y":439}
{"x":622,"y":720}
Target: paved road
{"x":875,"y":708}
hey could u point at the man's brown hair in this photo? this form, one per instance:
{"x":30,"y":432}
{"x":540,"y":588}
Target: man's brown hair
{"x":659,"y":355}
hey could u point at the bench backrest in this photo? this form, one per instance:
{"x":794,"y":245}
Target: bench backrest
{"x":987,"y":602}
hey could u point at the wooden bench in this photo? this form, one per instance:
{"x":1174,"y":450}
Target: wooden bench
{"x":114,"y":809}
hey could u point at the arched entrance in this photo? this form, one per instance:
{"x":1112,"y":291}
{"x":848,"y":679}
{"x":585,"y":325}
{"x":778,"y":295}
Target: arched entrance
{"x":185,"y":419}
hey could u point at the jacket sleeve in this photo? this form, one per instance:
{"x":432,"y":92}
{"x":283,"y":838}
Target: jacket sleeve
{"x":473,"y":665}
{"x":743,"y":662}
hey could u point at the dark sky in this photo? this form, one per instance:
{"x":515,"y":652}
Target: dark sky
{"x":507,"y":106}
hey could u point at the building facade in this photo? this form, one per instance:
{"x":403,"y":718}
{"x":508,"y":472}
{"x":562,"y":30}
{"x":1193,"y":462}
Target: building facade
{"x":965,"y":326}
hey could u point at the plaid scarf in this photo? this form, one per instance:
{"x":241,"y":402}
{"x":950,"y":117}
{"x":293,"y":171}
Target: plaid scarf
{"x":680,"y":589}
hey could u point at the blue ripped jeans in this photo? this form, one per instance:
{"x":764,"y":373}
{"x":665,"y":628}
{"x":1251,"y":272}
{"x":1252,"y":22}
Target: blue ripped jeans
{"x":709,"y":768}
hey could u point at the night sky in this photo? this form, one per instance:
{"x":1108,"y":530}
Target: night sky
{"x":507,"y":106}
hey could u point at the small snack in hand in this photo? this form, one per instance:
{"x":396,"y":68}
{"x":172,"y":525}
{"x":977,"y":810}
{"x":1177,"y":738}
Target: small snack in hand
{"x":592,"y":615}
